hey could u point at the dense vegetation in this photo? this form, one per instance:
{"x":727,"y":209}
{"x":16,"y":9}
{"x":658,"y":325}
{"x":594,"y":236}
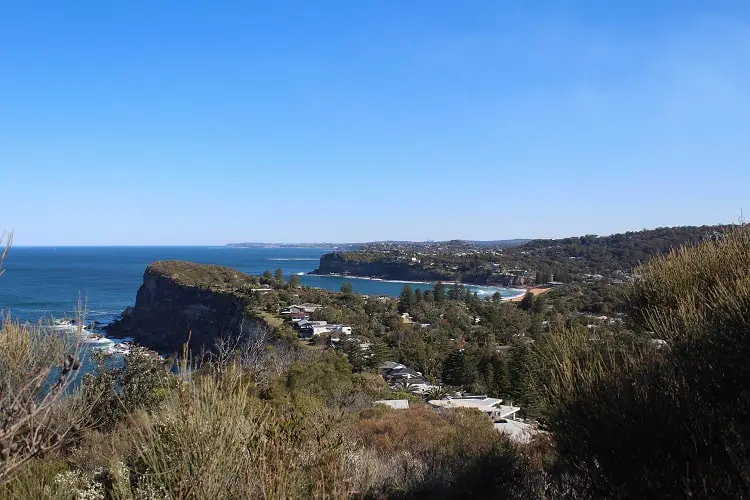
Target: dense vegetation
{"x":208,"y":276}
{"x":569,"y":259}
{"x":266,"y":416}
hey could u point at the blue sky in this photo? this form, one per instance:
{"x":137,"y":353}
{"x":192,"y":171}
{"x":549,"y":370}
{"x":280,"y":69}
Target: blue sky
{"x":209,"y":122}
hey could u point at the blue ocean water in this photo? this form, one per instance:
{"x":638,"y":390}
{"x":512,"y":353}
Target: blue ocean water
{"x":43,"y":282}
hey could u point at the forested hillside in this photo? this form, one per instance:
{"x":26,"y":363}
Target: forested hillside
{"x":535,"y":262}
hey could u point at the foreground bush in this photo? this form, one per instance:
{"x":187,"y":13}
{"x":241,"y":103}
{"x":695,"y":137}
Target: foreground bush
{"x":424,"y":453}
{"x":37,"y":416}
{"x":634,"y":419}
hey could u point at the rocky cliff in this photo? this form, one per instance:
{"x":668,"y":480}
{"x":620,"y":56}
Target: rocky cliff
{"x":339,"y":263}
{"x":178,"y":300}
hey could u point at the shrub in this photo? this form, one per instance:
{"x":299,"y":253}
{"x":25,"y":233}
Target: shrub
{"x":630,"y":420}
{"x":420,"y":452}
{"x":37,"y":368}
{"x":215,"y":440}
{"x":113,"y":392}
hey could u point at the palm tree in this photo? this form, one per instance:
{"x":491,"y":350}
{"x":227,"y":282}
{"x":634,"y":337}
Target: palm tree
{"x":405,"y":386}
{"x":438,"y":392}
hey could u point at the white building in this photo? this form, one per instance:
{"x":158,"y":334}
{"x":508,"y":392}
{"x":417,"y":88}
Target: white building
{"x":396,"y":404}
{"x":490,"y":406}
{"x":309,"y":329}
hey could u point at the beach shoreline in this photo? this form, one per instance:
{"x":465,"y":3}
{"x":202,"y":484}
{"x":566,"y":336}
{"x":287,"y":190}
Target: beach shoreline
{"x":520,"y":291}
{"x":534,"y":290}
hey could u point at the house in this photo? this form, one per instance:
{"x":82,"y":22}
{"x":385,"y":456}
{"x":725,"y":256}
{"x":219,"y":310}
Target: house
{"x":309,"y":329}
{"x":296,"y":315}
{"x":301,"y":309}
{"x":396,"y":404}
{"x":400,"y":372}
{"x":397,"y":374}
{"x":491,"y":406}
{"x":305,"y":323}
{"x":517,"y":430}
{"x":386,"y":366}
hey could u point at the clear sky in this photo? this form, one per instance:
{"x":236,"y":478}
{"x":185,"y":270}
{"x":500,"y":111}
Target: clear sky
{"x":206,"y":122}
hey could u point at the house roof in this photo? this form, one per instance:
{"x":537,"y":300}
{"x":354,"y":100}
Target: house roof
{"x":396,"y":404}
{"x":388,"y":365}
{"x":517,"y":431}
{"x":401,"y":371}
{"x":305,"y":323}
{"x":480,"y":402}
{"x":413,"y":381}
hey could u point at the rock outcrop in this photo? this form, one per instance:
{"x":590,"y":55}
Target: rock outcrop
{"x":180,"y":300}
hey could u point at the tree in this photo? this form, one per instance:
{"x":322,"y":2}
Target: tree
{"x":436,"y":393}
{"x":527,"y":302}
{"x":294,"y":281}
{"x":356,"y":356}
{"x":406,"y":300}
{"x":379,"y":352}
{"x":460,"y":368}
{"x":279,"y":275}
{"x":539,"y":304}
{"x":347,"y":290}
{"x":542,"y":277}
{"x":417,"y":296}
{"x":497,"y":297}
{"x":439,"y":292}
{"x":267,"y":276}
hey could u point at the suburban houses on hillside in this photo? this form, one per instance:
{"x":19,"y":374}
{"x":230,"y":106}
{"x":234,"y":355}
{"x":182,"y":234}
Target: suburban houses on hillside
{"x":503,"y":416}
{"x":309,"y":329}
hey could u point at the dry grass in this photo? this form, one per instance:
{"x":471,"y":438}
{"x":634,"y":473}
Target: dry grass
{"x":37,"y":415}
{"x":208,"y":276}
{"x":213,"y":439}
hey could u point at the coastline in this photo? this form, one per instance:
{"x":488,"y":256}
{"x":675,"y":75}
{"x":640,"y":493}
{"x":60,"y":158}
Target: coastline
{"x":534,"y":290}
{"x":489,"y":289}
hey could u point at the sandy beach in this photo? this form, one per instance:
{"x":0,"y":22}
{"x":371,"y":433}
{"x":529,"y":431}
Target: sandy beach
{"x":535,"y":290}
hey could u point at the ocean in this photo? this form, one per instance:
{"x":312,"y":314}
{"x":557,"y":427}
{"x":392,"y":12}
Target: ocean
{"x":46,"y":282}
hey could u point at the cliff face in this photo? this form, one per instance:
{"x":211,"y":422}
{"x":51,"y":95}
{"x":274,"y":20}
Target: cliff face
{"x":181,"y":299}
{"x":334,"y":263}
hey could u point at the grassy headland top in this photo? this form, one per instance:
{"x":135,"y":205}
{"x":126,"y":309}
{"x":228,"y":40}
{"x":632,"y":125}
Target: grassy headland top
{"x":208,"y":276}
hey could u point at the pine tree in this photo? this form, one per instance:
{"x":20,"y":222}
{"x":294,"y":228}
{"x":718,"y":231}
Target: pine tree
{"x":379,"y":352}
{"x":460,"y":368}
{"x":406,"y":300}
{"x":279,"y":275}
{"x":501,"y":377}
{"x":527,"y":302}
{"x":294,"y":281}
{"x":439,"y":292}
{"x":539,"y":304}
{"x":356,"y":356}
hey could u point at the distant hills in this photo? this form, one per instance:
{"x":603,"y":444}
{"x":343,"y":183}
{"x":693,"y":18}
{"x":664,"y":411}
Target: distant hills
{"x":356,"y":246}
{"x":332,"y":246}
{"x":515,"y":262}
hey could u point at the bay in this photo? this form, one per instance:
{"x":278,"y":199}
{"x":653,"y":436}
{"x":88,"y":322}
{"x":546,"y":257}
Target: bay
{"x":43,"y":282}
